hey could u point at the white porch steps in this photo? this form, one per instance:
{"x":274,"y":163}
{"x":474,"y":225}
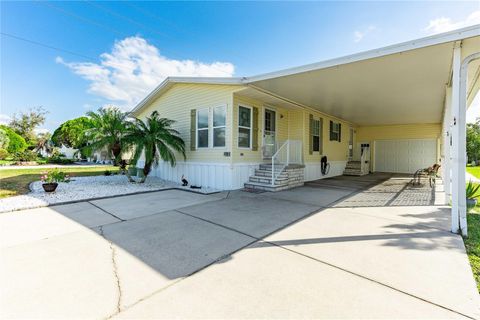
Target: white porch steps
{"x":291,"y":176}
{"x":353,"y":168}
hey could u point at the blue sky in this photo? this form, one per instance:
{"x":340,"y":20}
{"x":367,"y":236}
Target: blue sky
{"x":113,"y":45}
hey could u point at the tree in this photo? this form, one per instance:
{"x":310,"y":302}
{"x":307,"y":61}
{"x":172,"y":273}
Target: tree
{"x":473,"y":141}
{"x":109,"y":127}
{"x":44,"y":142}
{"x":4,"y":139}
{"x":156,"y":139}
{"x":26,"y":122}
{"x":16,"y":143}
{"x":72,"y":133}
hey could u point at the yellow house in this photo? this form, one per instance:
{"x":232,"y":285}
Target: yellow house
{"x":394,"y":109}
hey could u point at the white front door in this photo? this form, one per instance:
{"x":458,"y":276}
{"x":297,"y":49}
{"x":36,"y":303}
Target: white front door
{"x":269,"y":133}
{"x":405,"y":156}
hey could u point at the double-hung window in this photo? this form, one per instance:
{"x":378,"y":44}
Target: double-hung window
{"x":202,"y":128}
{"x":219,"y":121}
{"x":244,"y":127}
{"x":316,"y":135}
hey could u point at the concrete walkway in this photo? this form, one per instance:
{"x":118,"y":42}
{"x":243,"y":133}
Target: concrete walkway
{"x":470,"y":176}
{"x":310,"y":252}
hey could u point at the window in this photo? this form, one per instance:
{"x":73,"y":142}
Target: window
{"x":219,"y":120}
{"x":335,"y":131}
{"x":202,"y":128}
{"x":244,"y":127}
{"x":316,"y":135}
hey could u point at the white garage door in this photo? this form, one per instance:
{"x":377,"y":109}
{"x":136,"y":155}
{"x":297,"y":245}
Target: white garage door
{"x":404,"y":156}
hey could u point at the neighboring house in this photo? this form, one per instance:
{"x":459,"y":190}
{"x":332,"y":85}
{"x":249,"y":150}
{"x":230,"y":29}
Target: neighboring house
{"x":389,"y":108}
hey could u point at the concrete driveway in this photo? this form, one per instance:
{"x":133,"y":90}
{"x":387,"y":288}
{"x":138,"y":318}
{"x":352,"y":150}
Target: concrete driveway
{"x":366,"y":247}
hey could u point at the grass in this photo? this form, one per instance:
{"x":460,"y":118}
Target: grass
{"x":15,"y":182}
{"x":472,"y":244}
{"x":474,"y":171}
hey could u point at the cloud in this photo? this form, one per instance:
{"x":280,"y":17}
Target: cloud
{"x":4,"y":119}
{"x":444,"y":24}
{"x":134,"y":68}
{"x":359,"y":35}
{"x":473,"y":112}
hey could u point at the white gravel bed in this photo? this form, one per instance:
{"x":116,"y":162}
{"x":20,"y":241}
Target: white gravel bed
{"x":84,"y":188}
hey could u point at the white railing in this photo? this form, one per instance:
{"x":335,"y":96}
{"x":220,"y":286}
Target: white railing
{"x":289,"y":153}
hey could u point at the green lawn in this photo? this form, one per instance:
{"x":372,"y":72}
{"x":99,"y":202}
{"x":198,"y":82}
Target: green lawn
{"x":15,"y":182}
{"x":472,"y":244}
{"x":474,"y":171}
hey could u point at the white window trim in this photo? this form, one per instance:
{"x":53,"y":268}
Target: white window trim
{"x":215,"y":127}
{"x":207,"y":128}
{"x":239,"y":126}
{"x":319,"y":136}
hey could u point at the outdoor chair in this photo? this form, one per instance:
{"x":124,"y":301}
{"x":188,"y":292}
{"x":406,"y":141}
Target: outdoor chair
{"x":430,"y":173}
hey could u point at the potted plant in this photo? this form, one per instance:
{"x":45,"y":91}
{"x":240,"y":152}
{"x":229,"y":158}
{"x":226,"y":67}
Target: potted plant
{"x":51,"y":179}
{"x":471,"y":193}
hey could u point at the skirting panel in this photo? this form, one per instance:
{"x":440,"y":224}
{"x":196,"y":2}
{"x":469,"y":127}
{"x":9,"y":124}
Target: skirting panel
{"x":222,"y":176}
{"x":313,"y":171}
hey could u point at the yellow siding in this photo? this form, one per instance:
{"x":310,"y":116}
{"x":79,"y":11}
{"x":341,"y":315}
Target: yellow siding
{"x":250,"y":156}
{"x":334,"y":150}
{"x":395,"y":132}
{"x":176,"y":104}
{"x":405,"y":131}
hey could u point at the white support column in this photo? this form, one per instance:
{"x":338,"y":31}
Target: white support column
{"x":462,"y":141}
{"x":447,"y":123}
{"x":455,"y":151}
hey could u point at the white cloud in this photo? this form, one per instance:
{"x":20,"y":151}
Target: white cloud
{"x":4,"y":119}
{"x":360,"y":35}
{"x":444,"y":24}
{"x":134,"y":67}
{"x":473,"y":112}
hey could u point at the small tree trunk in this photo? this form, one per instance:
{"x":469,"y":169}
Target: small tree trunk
{"x":116,"y":150}
{"x":146,"y":170}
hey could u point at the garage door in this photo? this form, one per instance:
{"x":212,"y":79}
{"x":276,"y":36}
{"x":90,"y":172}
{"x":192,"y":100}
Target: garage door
{"x":404,"y":156}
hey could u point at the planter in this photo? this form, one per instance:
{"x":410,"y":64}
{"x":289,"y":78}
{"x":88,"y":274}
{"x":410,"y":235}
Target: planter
{"x":50,"y":187}
{"x":471,"y":203}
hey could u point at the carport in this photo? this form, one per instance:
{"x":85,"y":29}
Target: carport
{"x":426,"y":82}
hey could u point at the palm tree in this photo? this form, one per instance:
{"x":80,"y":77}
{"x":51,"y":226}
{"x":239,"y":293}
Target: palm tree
{"x":156,"y":139}
{"x":44,"y":142}
{"x":109,"y":129}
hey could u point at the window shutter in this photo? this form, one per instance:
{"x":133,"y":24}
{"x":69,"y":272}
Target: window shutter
{"x":255,"y":129}
{"x":321,"y":135}
{"x":339,"y":132}
{"x":310,"y":132}
{"x":331,"y":131}
{"x":193,"y":129}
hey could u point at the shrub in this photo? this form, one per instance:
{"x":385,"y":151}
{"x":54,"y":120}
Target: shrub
{"x":3,"y":154}
{"x":107,"y":173}
{"x":16,"y":142}
{"x":4,"y":139}
{"x":60,"y":160}
{"x":26,"y":155}
{"x":54,"y":175}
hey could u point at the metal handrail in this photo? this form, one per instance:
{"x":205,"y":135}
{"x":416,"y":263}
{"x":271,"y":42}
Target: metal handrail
{"x":289,"y":153}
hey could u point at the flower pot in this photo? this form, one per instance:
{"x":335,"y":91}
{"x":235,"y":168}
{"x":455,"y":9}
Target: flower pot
{"x":50,"y":187}
{"x":471,"y":203}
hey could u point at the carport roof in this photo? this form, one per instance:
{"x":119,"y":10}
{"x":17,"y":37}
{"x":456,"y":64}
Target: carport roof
{"x":398,"y":84}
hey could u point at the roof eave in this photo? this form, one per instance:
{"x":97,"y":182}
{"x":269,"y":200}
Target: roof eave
{"x":450,"y":36}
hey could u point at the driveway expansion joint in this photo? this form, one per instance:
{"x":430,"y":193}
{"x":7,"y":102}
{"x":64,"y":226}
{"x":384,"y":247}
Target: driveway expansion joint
{"x":109,"y":213}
